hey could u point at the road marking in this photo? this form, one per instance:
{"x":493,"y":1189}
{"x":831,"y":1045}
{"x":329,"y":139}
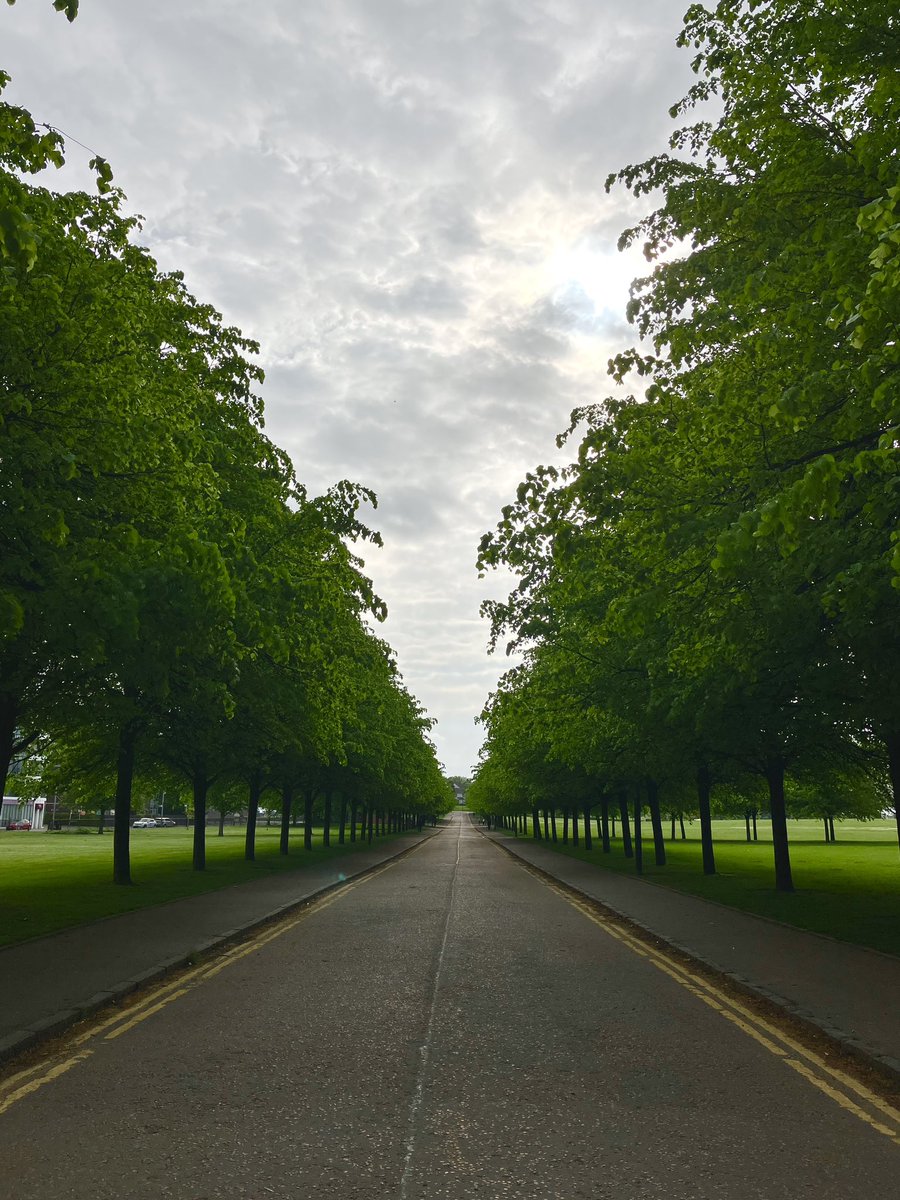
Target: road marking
{"x":829,"y":1080}
{"x":60,"y":1068}
{"x":425,"y":1048}
{"x":15,"y":1088}
{"x":148,"y":1012}
{"x":841,"y":1099}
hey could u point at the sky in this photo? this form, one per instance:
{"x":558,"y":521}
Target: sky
{"x":403,"y":202}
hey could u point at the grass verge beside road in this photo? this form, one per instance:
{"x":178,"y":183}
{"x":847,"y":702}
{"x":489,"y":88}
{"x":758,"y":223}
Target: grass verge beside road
{"x":849,"y":890}
{"x":51,"y":881}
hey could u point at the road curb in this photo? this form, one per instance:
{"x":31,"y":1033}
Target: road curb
{"x":21,"y":1040}
{"x":850,"y":1045}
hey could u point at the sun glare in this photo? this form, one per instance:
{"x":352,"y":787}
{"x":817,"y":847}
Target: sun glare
{"x":603,"y":276}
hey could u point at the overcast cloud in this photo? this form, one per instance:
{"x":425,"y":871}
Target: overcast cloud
{"x":402,"y":201}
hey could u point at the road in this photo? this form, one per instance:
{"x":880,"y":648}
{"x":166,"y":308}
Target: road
{"x":447,"y":1027}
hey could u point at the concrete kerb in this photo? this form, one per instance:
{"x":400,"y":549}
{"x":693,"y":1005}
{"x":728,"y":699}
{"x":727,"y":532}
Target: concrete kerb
{"x":19,"y":1041}
{"x":866,"y":1055}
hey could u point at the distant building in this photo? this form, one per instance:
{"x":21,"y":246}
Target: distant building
{"x":15,"y":808}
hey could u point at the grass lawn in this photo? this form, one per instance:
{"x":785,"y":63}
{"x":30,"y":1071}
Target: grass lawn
{"x":49,"y":881}
{"x":849,"y":889}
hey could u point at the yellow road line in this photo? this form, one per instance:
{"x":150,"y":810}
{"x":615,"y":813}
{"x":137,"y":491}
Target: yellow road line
{"x":14,"y":1087}
{"x":842,"y":1100}
{"x":200,"y":974}
{"x":147,"y":1012}
{"x":98,"y":1027}
{"x":54,"y":1073}
{"x":761,"y":1030}
{"x":681,"y":973}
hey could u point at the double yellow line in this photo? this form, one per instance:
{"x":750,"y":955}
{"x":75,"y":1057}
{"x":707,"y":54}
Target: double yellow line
{"x":840,"y":1087}
{"x":81,"y":1046}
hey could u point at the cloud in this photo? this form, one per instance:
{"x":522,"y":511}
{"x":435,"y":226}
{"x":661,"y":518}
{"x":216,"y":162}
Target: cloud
{"x":403,"y":203}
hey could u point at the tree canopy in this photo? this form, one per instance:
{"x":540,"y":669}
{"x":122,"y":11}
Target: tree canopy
{"x":713,"y":584}
{"x":171,"y":597}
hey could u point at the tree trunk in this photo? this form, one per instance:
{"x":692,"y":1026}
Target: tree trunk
{"x":122,"y":815}
{"x":536,"y":825}
{"x":681,"y":824}
{"x":588,"y":844}
{"x":672,"y":838}
{"x":574,"y":826}
{"x":308,"y":797}
{"x":775,"y":780}
{"x":827,"y":834}
{"x":326,"y":819}
{"x":659,"y":842}
{"x":369,"y":824}
{"x":831,"y":827}
{"x":287,"y":800}
{"x":565,"y":836}
{"x":638,"y":836}
{"x":604,"y":823}
{"x":747,"y":824}
{"x":626,"y":826}
{"x":8,"y":711}
{"x":613,"y":819}
{"x":354,"y":813}
{"x":553,"y":831}
{"x":221,"y":832}
{"x":342,"y":827}
{"x":201,"y":787}
{"x":755,"y":834}
{"x":704,"y":788}
{"x":892,"y":745}
{"x":252,"y":816}
{"x":546,"y":826}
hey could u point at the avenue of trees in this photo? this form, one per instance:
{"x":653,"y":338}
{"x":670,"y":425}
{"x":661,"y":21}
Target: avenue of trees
{"x":173,"y":604}
{"x":707,"y":600}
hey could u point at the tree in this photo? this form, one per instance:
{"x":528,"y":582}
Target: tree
{"x":720,"y":557}
{"x":168,"y":591}
{"x":785,"y":303}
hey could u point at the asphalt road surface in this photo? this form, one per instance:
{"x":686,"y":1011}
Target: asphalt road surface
{"x":448,"y":1027}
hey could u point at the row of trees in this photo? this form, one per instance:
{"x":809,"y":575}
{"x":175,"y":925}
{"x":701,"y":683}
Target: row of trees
{"x":171,"y":598}
{"x":710,"y":590}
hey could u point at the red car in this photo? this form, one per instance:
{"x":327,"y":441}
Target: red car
{"x":18,"y":825}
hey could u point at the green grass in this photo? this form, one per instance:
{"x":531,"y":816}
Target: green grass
{"x":849,"y":889}
{"x":50,"y":881}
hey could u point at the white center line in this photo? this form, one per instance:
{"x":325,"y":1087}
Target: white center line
{"x":425,"y":1048}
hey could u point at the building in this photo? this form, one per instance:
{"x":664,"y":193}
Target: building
{"x":17,"y":808}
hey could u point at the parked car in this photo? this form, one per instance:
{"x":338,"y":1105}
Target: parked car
{"x":167,"y":821}
{"x":18,"y":824}
{"x":144,"y":823}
